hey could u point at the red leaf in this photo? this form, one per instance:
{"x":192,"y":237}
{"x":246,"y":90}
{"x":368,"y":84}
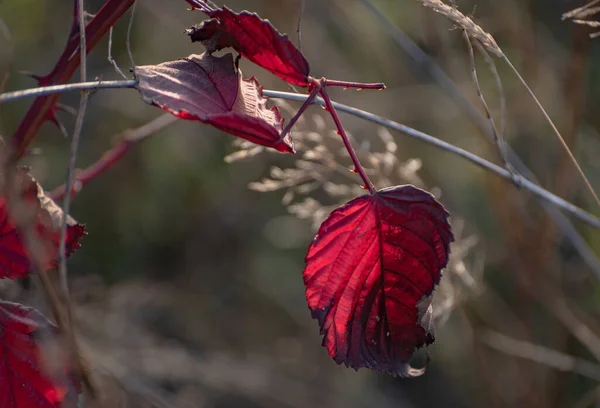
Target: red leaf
{"x":31,"y":377}
{"x":208,"y":89}
{"x":370,"y":273}
{"x":255,"y":39}
{"x":46,"y":215}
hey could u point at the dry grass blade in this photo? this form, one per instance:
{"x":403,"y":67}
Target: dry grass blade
{"x":540,"y":354}
{"x":583,"y":11}
{"x":299,"y":25}
{"x":7,"y":54}
{"x":499,"y":136}
{"x":466,"y":23}
{"x":111,"y":60}
{"x":555,"y":129}
{"x":492,"y":66}
{"x":594,"y":24}
{"x":476,"y":33}
{"x":580,"y":14}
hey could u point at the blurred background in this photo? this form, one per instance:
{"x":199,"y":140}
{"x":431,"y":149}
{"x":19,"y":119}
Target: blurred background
{"x":188,"y":289}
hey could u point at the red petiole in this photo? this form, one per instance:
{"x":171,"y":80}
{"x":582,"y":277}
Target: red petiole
{"x":358,"y":85}
{"x":316,"y":88}
{"x":358,"y":168}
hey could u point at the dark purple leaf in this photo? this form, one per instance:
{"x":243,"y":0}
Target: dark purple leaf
{"x":211,"y":90}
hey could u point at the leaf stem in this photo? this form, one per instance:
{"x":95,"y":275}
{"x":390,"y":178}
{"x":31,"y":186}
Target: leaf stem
{"x":358,"y":168}
{"x":313,"y":94}
{"x":358,"y":85}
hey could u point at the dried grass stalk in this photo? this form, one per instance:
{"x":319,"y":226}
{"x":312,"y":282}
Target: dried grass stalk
{"x":473,"y":30}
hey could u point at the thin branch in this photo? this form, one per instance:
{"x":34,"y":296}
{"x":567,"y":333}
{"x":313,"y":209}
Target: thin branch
{"x":486,"y":40}
{"x":55,"y":89}
{"x":423,"y":64}
{"x":9,"y":51}
{"x":299,"y":27}
{"x":73,"y":155}
{"x":498,"y":137}
{"x":126,"y":141}
{"x":523,"y":182}
{"x":111,"y":60}
{"x":62,"y":256}
{"x":540,"y":354}
{"x":492,"y":66}
{"x":128,"y":42}
{"x":545,"y":195}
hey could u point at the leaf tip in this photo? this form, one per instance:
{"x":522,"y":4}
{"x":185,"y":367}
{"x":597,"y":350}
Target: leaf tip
{"x":405,"y":370}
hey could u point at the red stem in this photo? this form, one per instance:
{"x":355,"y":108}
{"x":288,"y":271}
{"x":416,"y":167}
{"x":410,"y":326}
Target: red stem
{"x":360,"y":86}
{"x":342,"y":132}
{"x":316,"y":87}
{"x":69,"y":61}
{"x":126,"y":141}
{"x":107,"y":160}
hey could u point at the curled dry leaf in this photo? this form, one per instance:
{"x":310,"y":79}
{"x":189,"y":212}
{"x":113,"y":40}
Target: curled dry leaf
{"x":32,"y":370}
{"x":210,"y":89}
{"x":370,"y":275}
{"x":36,"y":209}
{"x":255,"y":39}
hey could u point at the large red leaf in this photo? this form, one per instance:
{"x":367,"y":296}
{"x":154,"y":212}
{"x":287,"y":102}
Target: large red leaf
{"x":255,"y":39}
{"x":46,"y":217}
{"x":208,"y":89}
{"x":370,"y":273}
{"x":31,"y":376}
